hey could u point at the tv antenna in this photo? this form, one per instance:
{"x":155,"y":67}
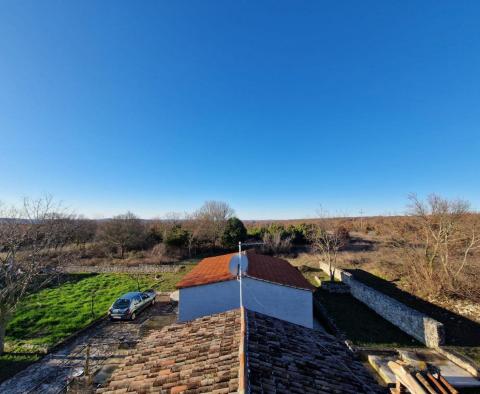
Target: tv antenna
{"x":239,"y":267}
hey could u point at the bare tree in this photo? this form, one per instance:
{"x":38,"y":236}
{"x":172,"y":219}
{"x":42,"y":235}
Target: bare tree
{"x":84,"y":232}
{"x":274,"y":242}
{"x":194,"y":228}
{"x":327,"y":240}
{"x":216,"y":211}
{"x":211,"y":220}
{"x":173,"y":219}
{"x":438,"y":243}
{"x":328,"y":243}
{"x":123,"y":232}
{"x":27,"y":234}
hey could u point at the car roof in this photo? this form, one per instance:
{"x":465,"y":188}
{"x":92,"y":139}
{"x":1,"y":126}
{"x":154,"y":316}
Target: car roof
{"x":130,"y":295}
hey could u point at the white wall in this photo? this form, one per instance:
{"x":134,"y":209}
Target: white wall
{"x":286,"y":303}
{"x":283,"y":302}
{"x":204,"y":300}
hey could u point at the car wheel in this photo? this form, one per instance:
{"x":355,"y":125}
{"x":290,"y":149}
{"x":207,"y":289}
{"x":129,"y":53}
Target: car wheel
{"x":133,"y":316}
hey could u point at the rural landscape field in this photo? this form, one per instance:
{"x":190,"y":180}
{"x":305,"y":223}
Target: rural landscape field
{"x":255,"y":197}
{"x":427,"y":259}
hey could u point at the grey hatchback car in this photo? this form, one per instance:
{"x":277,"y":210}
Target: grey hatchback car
{"x":129,"y":305}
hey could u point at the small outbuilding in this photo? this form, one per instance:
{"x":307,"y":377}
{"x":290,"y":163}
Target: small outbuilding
{"x":269,"y":285}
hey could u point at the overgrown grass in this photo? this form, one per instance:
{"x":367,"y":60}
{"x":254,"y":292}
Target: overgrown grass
{"x":45,"y":318}
{"x":362,"y":325}
{"x":312,"y":274}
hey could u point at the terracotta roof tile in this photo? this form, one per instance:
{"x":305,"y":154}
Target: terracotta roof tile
{"x":209,"y":270}
{"x":273,"y":269}
{"x":186,"y":357}
{"x":284,"y":357}
{"x":280,"y":357}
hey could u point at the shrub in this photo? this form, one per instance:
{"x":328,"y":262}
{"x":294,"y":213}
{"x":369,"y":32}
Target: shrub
{"x":176,"y":237}
{"x":256,"y":233}
{"x":234,"y":232}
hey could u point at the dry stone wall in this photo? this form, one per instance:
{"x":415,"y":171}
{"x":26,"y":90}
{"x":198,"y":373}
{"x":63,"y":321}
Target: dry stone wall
{"x":418,"y":325}
{"x":106,"y":269}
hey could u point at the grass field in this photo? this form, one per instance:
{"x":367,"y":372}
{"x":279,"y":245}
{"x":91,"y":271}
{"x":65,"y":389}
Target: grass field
{"x":45,"y":318}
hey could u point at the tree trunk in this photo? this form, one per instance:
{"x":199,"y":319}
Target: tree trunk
{"x":331,"y":268}
{"x":2,"y":336}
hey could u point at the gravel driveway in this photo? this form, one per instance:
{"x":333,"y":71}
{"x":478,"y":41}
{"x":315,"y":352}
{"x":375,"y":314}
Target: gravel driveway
{"x":106,"y":343}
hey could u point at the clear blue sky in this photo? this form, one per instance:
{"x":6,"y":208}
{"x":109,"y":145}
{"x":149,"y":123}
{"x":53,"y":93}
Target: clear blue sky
{"x":275,"y":107}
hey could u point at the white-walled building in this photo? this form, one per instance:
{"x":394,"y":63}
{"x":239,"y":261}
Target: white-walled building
{"x":269,"y":285}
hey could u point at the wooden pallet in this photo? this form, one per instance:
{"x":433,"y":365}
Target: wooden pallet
{"x":415,"y":381}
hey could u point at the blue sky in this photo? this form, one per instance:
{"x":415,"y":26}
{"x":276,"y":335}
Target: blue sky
{"x":275,"y":107}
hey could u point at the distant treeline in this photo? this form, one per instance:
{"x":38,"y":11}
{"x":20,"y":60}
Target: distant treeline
{"x":213,"y":228}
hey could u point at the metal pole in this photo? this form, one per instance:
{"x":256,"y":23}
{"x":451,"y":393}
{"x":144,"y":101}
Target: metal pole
{"x":240,"y":271}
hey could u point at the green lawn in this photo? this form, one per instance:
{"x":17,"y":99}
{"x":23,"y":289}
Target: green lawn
{"x":45,"y":318}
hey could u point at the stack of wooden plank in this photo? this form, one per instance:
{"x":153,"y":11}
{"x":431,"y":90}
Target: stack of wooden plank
{"x":418,"y":380}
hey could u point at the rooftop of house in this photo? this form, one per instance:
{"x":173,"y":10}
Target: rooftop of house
{"x":267,"y":268}
{"x":241,"y":351}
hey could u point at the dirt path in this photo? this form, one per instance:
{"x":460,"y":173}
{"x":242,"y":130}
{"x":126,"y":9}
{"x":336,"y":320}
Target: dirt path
{"x":106,"y":344}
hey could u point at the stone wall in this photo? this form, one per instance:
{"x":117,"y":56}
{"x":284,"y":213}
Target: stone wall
{"x":106,"y":269}
{"x":420,"y":326}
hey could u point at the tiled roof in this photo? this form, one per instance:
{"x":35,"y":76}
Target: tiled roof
{"x":205,"y":355}
{"x":275,"y":270}
{"x":283,"y":357}
{"x":200,"y":356}
{"x":209,"y":270}
{"x":272,"y":269}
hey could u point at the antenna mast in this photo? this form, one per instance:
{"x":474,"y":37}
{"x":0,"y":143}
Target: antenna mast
{"x":240,"y":271}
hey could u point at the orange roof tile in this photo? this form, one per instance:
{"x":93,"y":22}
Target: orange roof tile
{"x":212,"y":354}
{"x":201,"y":356}
{"x":209,"y":270}
{"x":283,"y":357}
{"x":273,"y":269}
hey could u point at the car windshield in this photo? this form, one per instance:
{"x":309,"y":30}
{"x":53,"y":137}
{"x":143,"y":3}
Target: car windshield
{"x":121,"y":303}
